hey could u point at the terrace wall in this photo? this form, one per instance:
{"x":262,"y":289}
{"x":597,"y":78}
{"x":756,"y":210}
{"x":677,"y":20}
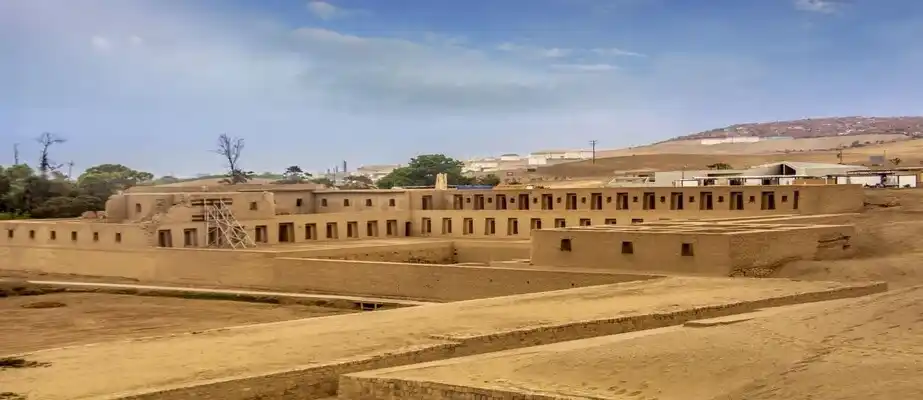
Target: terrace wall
{"x":262,"y":270}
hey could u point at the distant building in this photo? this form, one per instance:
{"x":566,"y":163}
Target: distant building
{"x":376,"y":172}
{"x":510,"y":157}
{"x":481,"y":165}
{"x":736,"y":139}
{"x":543,"y":157}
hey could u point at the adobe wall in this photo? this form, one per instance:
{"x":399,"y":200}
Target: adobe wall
{"x":260,"y":269}
{"x":482,"y":251}
{"x":661,"y":252}
{"x":423,"y":253}
{"x":760,"y":254}
{"x":72,"y":234}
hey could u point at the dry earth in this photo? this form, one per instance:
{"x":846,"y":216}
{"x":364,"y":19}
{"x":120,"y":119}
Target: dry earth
{"x":855,"y":349}
{"x":45,"y":321}
{"x":888,"y":245}
{"x":215,"y":356}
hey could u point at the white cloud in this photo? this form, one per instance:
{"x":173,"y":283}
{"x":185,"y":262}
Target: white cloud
{"x":363,"y":98}
{"x":100,"y":43}
{"x":818,"y":6}
{"x":327,"y":11}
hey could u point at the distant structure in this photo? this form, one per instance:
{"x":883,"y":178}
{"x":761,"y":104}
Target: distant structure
{"x":735,"y":139}
{"x":376,"y":172}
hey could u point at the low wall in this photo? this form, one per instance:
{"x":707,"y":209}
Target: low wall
{"x":487,"y":251}
{"x":261,"y":270}
{"x":423,"y":253}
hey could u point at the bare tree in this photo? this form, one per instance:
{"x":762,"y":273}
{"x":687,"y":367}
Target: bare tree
{"x":46,"y":140}
{"x":230,"y":148}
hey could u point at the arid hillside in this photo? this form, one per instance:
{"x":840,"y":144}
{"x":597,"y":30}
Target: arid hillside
{"x":910,"y":153}
{"x":819,"y":127}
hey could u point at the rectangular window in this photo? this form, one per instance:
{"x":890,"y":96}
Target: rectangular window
{"x":427,"y":202}
{"x":737,"y":201}
{"x":262,"y":234}
{"x":676,"y":201}
{"x":637,"y":221}
{"x":253,"y":206}
{"x":392,"y":202}
{"x":596,"y":201}
{"x":190,"y":238}
{"x":53,"y":235}
{"x":118,"y":237}
{"x":535,"y":223}
{"x":323,"y":202}
{"x":560,"y":222}
{"x":490,"y":226}
{"x":352,"y":230}
{"x":768,"y":201}
{"x":368,"y":202}
{"x":610,"y":221}
{"x":650,"y":201}
{"x":287,"y":232}
{"x":427,"y":227}
{"x":31,"y":234}
{"x":310,"y":231}
{"x":468,"y":226}
{"x":586,"y":222}
{"x":9,"y":233}
{"x":74,"y":236}
{"x":332,"y":230}
{"x":512,"y":226}
{"x":571,"y":201}
{"x":628,"y":248}
{"x":547,"y":202}
{"x":687,"y":250}
{"x":345,"y":202}
{"x":447,"y":226}
{"x":705,"y":202}
{"x":298,"y":202}
{"x":621,"y":201}
{"x":165,"y":238}
{"x":391,"y":227}
{"x":371,"y":229}
{"x":565,"y":245}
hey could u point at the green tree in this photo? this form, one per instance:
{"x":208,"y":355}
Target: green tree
{"x":422,"y":171}
{"x":294,"y":174}
{"x":104,"y":180}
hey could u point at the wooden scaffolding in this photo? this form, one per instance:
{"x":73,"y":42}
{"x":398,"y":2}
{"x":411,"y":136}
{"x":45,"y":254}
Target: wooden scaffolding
{"x":221,"y":227}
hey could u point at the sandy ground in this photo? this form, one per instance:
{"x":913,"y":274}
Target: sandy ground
{"x":93,"y":317}
{"x":180,"y":360}
{"x":856,"y":349}
{"x":887,"y":242}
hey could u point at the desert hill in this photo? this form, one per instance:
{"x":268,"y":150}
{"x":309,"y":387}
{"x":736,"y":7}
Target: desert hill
{"x":817,"y":127}
{"x":910,"y":152}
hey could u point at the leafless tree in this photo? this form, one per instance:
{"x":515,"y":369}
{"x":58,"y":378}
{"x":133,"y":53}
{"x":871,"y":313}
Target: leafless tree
{"x":46,"y":140}
{"x":230,"y":148}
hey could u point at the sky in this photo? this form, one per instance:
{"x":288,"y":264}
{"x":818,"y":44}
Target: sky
{"x":152,"y":83}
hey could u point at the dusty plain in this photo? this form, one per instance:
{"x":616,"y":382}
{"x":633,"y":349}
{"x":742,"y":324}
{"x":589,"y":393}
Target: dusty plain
{"x":304,"y":358}
{"x":853,"y":349}
{"x":54,"y":320}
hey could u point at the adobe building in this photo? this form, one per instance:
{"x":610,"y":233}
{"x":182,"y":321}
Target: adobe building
{"x":280,"y":214}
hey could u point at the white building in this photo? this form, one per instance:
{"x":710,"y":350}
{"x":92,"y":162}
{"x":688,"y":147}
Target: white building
{"x":481,"y":165}
{"x":543,"y":157}
{"x":376,"y":172}
{"x":736,"y":139}
{"x":510,"y":157}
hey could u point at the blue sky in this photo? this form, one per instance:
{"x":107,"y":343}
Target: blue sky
{"x":152,"y":83}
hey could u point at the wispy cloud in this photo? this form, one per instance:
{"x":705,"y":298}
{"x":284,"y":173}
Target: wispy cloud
{"x":328,"y":11}
{"x":585,"y":67}
{"x":614,"y":52}
{"x":819,"y":6}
